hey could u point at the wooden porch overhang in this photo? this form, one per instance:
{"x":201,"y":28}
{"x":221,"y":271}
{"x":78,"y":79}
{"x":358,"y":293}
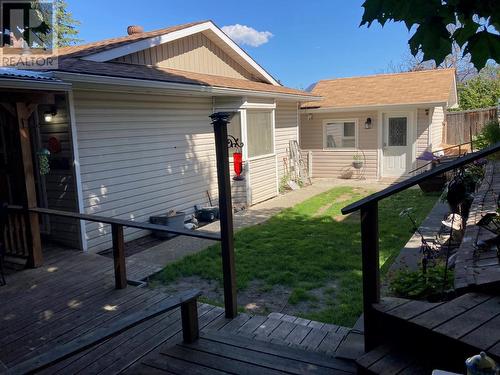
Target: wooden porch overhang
{"x":21,"y":104}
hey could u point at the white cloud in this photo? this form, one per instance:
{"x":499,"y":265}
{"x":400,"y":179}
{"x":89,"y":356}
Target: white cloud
{"x":242,"y":34}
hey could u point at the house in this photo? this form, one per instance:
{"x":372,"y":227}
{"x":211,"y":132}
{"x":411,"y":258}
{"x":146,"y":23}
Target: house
{"x":127,"y":123}
{"x":386,"y":121}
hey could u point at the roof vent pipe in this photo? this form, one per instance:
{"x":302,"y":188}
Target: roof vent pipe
{"x":135,"y":29}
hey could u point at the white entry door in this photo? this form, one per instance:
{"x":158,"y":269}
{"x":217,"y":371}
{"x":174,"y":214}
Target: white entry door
{"x":397,"y":151}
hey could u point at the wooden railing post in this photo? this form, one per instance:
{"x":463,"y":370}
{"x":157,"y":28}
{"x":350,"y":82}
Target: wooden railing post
{"x":119,"y":256}
{"x":35,"y":257}
{"x":371,"y":271}
{"x":220,"y":121}
{"x":189,"y":317}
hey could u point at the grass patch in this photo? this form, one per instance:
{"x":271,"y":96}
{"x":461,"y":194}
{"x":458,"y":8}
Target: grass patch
{"x":304,"y":250}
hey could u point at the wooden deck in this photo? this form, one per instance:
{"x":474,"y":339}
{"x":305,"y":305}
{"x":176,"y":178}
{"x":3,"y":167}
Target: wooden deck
{"x":418,"y":335}
{"x":480,"y":269}
{"x":74,"y":295}
{"x":472,"y":319}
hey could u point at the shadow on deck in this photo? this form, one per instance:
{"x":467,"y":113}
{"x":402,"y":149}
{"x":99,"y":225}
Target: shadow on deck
{"x":73,"y":296}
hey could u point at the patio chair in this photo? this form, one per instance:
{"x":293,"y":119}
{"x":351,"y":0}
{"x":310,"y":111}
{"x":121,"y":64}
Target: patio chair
{"x":3,"y":221}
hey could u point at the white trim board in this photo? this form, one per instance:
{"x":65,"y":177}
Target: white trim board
{"x":119,"y":84}
{"x":76,"y":169}
{"x":384,"y":108}
{"x":208,"y":26}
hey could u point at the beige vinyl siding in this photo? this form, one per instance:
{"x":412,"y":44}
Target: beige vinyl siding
{"x":334,"y":163}
{"x":263,"y":184}
{"x":286,"y":130}
{"x":194,"y":53}
{"x":142,"y":155}
{"x":437,"y":128}
{"x":59,"y":183}
{"x":423,"y":142}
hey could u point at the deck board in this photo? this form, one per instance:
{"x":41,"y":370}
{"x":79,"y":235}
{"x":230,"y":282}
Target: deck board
{"x":73,"y":295}
{"x":473,"y":319}
{"x":223,"y":353}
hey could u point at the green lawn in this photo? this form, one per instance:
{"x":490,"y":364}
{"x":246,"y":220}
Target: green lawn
{"x":311,"y":247}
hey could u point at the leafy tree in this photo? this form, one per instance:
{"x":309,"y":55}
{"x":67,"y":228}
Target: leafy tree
{"x":441,"y":25}
{"x":482,"y":91}
{"x":66,"y":26}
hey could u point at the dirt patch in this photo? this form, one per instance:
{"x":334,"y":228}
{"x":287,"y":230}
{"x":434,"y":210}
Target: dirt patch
{"x":354,"y":217}
{"x":339,"y":199}
{"x":323,"y":209}
{"x":256,"y":298}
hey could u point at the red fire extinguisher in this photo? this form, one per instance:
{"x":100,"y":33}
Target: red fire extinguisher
{"x":238,"y":166}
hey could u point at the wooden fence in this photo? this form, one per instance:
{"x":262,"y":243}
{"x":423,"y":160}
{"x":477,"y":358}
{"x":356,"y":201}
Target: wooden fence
{"x":460,"y":126}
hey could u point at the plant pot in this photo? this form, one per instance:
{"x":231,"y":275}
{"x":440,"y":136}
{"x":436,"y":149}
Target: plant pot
{"x":357,"y":164}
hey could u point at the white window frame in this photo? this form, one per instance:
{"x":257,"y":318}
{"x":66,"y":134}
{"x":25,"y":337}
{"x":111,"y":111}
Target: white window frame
{"x":273,"y":135}
{"x":243,"y":129}
{"x":356,"y":134}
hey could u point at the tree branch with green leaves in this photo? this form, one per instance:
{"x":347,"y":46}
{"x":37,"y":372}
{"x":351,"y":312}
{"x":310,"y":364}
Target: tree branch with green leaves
{"x":438,"y":25}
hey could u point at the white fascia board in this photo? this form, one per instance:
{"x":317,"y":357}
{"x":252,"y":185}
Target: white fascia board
{"x":392,"y":107}
{"x":106,"y":83}
{"x":133,"y":47}
{"x":455,"y":94}
{"x":34,"y":85}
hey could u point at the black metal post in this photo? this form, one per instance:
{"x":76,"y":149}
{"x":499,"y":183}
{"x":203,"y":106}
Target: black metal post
{"x":220,"y":121}
{"x":371,"y":272}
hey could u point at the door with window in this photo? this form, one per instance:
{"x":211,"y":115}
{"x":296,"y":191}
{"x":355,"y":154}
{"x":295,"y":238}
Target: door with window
{"x":397,"y":150}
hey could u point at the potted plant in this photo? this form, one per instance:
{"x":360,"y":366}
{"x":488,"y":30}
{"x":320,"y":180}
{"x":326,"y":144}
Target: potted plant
{"x":357,"y":161}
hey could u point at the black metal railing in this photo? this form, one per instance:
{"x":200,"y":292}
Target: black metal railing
{"x":370,"y":236}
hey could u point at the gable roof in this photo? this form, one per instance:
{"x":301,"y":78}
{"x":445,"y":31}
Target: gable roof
{"x":87,"y":49}
{"x":423,"y":87}
{"x":159,"y":74}
{"x":110,"y":49}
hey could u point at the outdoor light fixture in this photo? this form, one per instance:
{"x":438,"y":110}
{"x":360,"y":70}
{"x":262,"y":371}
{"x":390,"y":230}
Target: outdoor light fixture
{"x":427,"y":111}
{"x":368,"y":123}
{"x":48,"y":116}
{"x":310,"y":116}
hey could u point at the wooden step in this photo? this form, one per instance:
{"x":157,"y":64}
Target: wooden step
{"x":464,"y":326}
{"x":286,"y":330}
{"x":221,"y":353}
{"x":385,"y":360}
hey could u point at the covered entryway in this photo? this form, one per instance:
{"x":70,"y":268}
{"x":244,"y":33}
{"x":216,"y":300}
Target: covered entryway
{"x":398,"y":144}
{"x":34,"y":122}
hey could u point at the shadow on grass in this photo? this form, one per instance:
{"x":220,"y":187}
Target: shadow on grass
{"x":318,"y":257}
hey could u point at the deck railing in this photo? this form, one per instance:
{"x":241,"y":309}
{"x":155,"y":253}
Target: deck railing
{"x":219,"y":122}
{"x":117,"y":226}
{"x":370,"y":236}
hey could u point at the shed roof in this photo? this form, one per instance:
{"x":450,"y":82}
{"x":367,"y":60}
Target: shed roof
{"x":427,"y":86}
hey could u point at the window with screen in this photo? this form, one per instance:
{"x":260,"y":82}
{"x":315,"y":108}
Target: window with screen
{"x":340,"y":134}
{"x":259,"y":133}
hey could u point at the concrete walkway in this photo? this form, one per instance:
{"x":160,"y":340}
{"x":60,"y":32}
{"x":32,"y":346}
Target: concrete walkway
{"x":148,"y":262}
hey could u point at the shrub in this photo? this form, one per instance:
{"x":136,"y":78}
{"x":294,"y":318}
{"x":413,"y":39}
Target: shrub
{"x":419,"y":285}
{"x":488,"y":136}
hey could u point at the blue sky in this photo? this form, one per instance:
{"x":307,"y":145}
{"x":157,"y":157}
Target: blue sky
{"x":310,"y":40}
